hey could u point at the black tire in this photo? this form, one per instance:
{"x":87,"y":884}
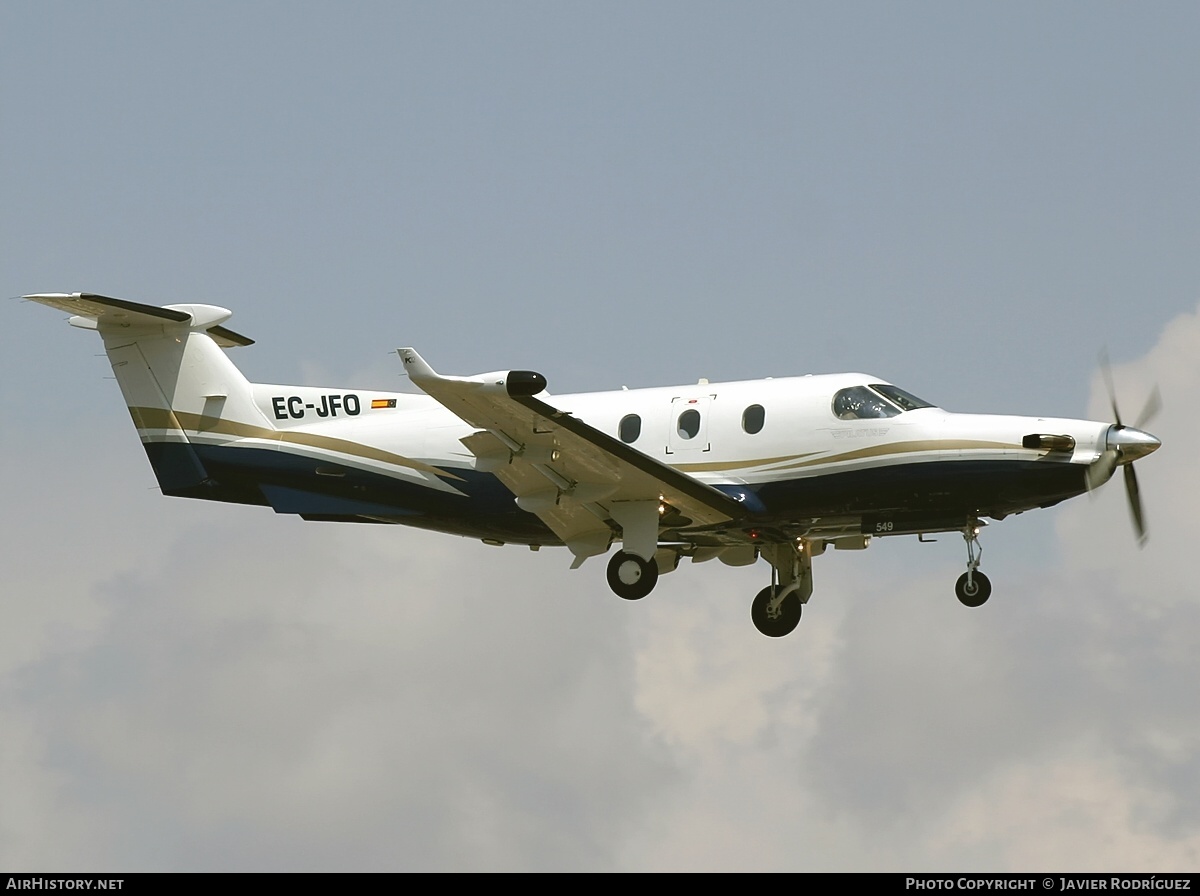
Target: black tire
{"x":789,"y":614}
{"x":977,"y":594}
{"x":630,"y":577}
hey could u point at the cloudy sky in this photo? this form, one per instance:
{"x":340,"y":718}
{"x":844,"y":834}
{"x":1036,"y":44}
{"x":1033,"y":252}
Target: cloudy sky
{"x":966,"y":199}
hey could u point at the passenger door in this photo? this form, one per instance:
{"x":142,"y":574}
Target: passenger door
{"x":687,"y":431}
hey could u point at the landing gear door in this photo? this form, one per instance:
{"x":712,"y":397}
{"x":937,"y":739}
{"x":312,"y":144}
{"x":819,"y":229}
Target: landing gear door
{"x":687,"y":431}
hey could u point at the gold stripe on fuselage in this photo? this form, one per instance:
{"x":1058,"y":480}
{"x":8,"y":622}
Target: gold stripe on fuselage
{"x":720,"y":466}
{"x":807,"y":460}
{"x":898,"y":449}
{"x":146,"y":419}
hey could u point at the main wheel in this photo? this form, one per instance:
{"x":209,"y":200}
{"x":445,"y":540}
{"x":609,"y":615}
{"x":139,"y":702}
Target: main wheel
{"x":787,"y":616}
{"x":631,"y":577}
{"x":973,"y":594}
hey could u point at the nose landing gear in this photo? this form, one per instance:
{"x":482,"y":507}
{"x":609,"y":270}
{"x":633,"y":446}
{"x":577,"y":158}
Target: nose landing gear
{"x":973,"y":588}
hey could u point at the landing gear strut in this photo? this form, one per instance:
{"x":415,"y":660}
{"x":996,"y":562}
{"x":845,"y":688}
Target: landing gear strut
{"x":973,"y":587}
{"x":776,"y":610}
{"x":631,"y":577}
{"x":632,"y":572}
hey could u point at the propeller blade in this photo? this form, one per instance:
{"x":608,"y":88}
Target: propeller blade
{"x":1134,"y":442}
{"x":1135,"y":505}
{"x":1150,"y":409}
{"x":1106,"y":372}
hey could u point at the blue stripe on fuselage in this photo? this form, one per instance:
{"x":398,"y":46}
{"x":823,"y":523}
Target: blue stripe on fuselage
{"x":289,"y":483}
{"x":979,"y":487}
{"x":486,"y":509}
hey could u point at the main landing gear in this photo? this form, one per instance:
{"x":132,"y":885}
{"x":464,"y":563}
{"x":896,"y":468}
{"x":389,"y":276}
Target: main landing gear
{"x":776,"y":609}
{"x":973,"y":587}
{"x":630,"y":577}
{"x":776,"y":616}
{"x":633,"y":572}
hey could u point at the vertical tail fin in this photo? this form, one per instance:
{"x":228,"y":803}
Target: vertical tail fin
{"x":177,"y":382}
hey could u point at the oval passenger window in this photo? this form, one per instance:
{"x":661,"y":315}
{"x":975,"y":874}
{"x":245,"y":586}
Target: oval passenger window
{"x":753,"y":418}
{"x":630,"y":428}
{"x":689,"y":423}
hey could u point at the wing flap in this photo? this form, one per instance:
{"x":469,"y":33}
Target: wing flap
{"x":576,"y":518}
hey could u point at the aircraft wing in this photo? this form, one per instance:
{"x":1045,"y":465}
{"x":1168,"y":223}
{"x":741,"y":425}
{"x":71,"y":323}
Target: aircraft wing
{"x":568,"y":473}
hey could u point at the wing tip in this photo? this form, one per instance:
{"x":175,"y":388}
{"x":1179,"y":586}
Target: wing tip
{"x":416,"y":366}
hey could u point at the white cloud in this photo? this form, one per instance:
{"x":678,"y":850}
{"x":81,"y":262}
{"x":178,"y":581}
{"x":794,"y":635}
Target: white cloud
{"x":263,"y":693}
{"x":1075,"y":810}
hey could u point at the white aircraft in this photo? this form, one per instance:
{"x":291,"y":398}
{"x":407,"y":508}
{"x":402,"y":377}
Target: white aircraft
{"x":778,"y":469}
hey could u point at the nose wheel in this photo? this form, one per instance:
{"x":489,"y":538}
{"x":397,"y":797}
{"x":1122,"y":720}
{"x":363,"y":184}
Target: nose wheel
{"x":973,"y":588}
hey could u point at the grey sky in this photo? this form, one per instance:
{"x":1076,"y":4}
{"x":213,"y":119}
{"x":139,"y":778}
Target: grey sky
{"x":966,"y":199}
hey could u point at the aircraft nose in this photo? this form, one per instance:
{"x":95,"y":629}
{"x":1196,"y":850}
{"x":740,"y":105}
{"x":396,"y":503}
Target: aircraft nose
{"x":1131,"y":443}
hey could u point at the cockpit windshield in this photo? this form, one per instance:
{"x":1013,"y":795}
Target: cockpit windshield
{"x":906,"y":400}
{"x":874,"y":401}
{"x":860,"y":403}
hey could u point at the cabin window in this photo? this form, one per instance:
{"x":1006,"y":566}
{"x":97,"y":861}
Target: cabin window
{"x":753,"y":418}
{"x":689,"y":423}
{"x":630,"y":428}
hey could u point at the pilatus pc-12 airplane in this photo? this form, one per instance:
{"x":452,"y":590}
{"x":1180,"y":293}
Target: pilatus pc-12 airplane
{"x":777,"y":469}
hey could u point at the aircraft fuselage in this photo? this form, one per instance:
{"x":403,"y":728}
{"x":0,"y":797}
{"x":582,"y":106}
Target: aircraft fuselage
{"x":398,"y":457}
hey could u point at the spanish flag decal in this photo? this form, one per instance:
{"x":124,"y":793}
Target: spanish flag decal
{"x":383,"y":403}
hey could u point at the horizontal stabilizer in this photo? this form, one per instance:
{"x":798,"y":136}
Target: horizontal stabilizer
{"x":92,"y":311}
